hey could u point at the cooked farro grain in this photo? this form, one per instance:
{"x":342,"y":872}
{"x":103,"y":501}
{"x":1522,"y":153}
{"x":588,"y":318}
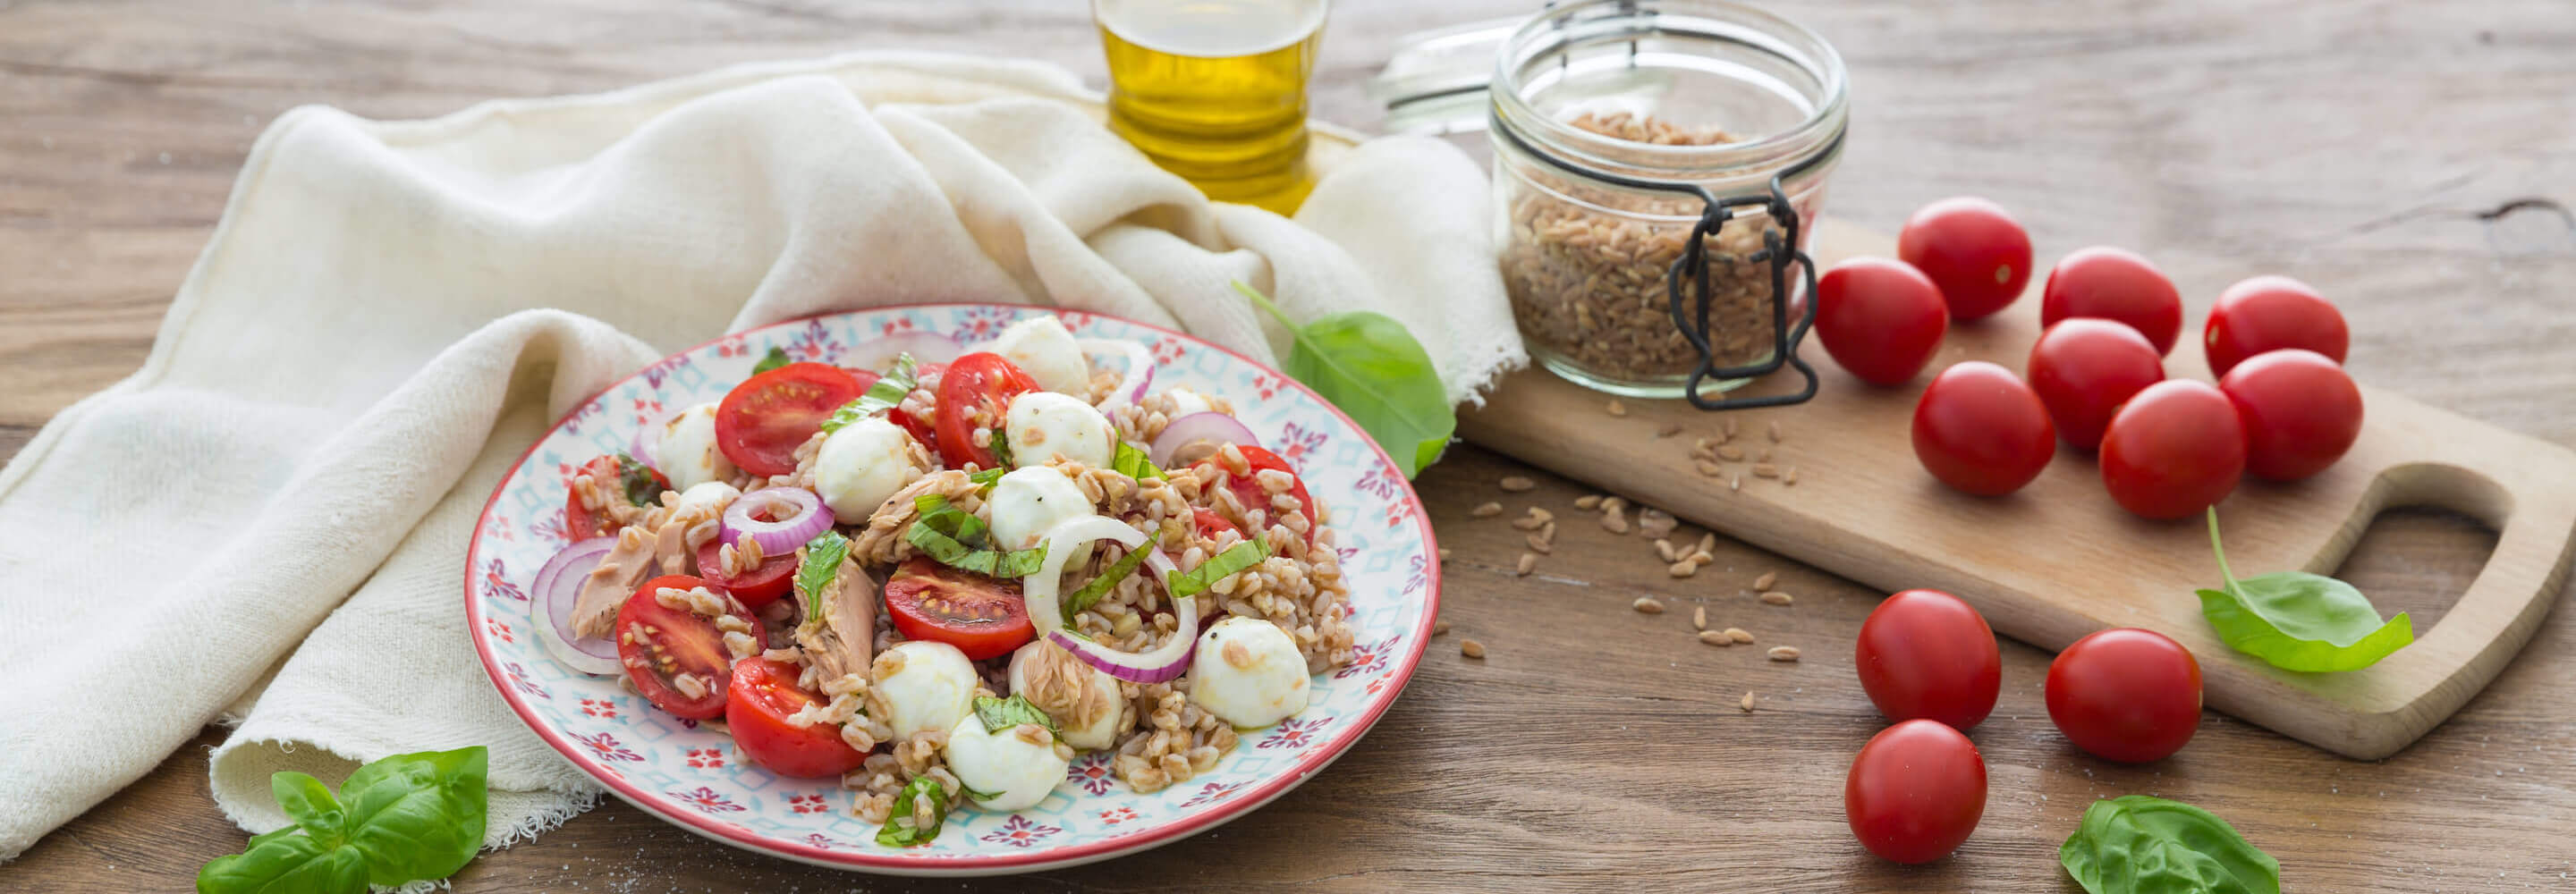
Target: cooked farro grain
{"x":1487,"y":509}
{"x":1775,"y":597}
{"x":1715,"y":638}
{"x":1683,"y":568}
{"x":1767,"y":579}
{"x":1528,"y":563}
{"x":1517,"y":483}
{"x":1471,"y":648}
{"x":1739,"y":634}
{"x":1648,"y":605}
{"x":1784,"y":653}
{"x":1174,"y":739}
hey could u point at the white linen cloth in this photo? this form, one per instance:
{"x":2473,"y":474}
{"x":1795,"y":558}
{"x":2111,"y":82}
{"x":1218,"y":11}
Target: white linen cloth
{"x":359,"y":355}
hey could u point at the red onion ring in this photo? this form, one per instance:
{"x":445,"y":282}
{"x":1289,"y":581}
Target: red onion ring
{"x":1164,"y":663}
{"x":557,"y":585}
{"x":1178,"y":444}
{"x":796,"y":516}
{"x":876,"y":354}
{"x":1132,"y":383}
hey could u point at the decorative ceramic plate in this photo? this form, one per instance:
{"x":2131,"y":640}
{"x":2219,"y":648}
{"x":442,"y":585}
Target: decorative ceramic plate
{"x":693,"y":778}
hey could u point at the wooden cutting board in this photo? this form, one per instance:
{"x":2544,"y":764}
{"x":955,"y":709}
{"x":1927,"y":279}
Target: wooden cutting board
{"x":2059,"y":559}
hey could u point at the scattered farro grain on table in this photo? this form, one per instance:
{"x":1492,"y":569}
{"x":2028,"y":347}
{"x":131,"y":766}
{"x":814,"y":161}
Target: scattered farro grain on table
{"x":1670,"y":429}
{"x":1784,"y":653}
{"x":1532,"y":520}
{"x":1710,"y":469}
{"x":1656,"y":522}
{"x":1529,"y":563}
{"x":1699,"y":618}
{"x":1471,"y":648}
{"x":1715,"y":638}
{"x":1541,"y":544}
{"x":1731,"y":453}
{"x":1775,"y":431}
{"x":1739,"y":634}
{"x":1765,"y":470}
{"x":1766,"y":580}
{"x":1664,"y":550}
{"x":1614,"y":504}
{"x":1708,"y":542}
{"x":1747,"y":703}
{"x":1762,"y":456}
{"x":1775,"y":597}
{"x":1617,"y":407}
{"x":1648,"y":605}
{"x":1588,"y":502}
{"x":1487,"y":509}
{"x":1444,"y":554}
{"x":1730,"y":427}
{"x":1517,"y":483}
{"x":1683,"y":568}
{"x":1439,"y":627}
{"x":1614,"y":522}
{"x":1702,"y":558}
{"x":1789,"y":476}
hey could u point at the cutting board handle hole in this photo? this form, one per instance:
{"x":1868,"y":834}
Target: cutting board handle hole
{"x":2424,"y":533}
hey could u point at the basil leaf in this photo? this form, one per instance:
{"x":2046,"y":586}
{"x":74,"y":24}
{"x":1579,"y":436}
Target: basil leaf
{"x":1367,"y":364}
{"x":279,"y":863}
{"x":777,"y":357}
{"x":823,"y":557}
{"x":2299,"y":621}
{"x":417,"y":816}
{"x":886,"y":393}
{"x":1218,"y":567}
{"x":1133,"y":463}
{"x":2135,"y":844}
{"x":309,"y":803}
{"x":1000,"y":714}
{"x":957,"y":539}
{"x":987,"y":478}
{"x":899,"y":830}
{"x":642,"y":487}
{"x":1100,"y":586}
{"x":969,"y":791}
{"x":1002,"y":451}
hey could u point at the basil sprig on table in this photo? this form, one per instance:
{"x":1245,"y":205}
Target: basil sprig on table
{"x":1367,"y":364}
{"x":406,"y":818}
{"x":2135,"y":844}
{"x":899,"y":830}
{"x":957,"y":539}
{"x":886,"y":393}
{"x":823,"y":557}
{"x":2299,"y":621}
{"x":777,"y":357}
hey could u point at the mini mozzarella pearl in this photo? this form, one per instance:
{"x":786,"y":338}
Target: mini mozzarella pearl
{"x":1043,"y":348}
{"x":1185,"y":401}
{"x":1018,"y":769}
{"x":706,"y":498}
{"x":1028,"y":501}
{"x":687,"y":453}
{"x":1103,"y":730}
{"x":1248,"y":673}
{"x":1043,"y":424}
{"x":863,"y":464}
{"x":935,"y":686}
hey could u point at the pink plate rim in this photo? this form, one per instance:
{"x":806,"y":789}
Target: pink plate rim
{"x":893,"y":861}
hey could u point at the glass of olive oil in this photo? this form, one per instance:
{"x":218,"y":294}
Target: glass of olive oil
{"x":1215,"y":91}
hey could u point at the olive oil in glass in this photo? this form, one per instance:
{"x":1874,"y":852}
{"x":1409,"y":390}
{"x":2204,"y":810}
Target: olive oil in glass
{"x":1215,"y":91}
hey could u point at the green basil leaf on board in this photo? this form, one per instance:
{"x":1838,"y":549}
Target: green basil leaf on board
{"x":1368,"y":365}
{"x":823,"y":557}
{"x":2299,"y":621}
{"x":2135,"y":844}
{"x":406,"y":818}
{"x":1217,"y":567}
{"x":998,"y":714}
{"x":899,"y":829}
{"x":777,"y":357}
{"x":309,"y":803}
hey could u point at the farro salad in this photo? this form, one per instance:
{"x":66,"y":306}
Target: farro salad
{"x":922,"y":575}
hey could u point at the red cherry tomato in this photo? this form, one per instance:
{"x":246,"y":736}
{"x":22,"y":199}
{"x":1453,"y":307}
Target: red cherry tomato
{"x":764,"y":694}
{"x":2175,"y":449}
{"x":2125,"y":694}
{"x":659,"y":644}
{"x":1915,"y":792}
{"x":583,"y":523}
{"x":2084,"y":369}
{"x":756,"y":587}
{"x":973,"y":393}
{"x":981,"y":616}
{"x":1979,"y":429}
{"x":1211,"y":524}
{"x":2114,"y":284}
{"x":1925,"y":654}
{"x":1972,"y":249}
{"x":763,"y":420}
{"x":1881,"y":319}
{"x":2268,"y":313}
{"x":2300,"y":410}
{"x":1248,"y":490}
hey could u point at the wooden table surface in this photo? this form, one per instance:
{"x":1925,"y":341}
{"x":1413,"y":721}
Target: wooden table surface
{"x":2412,"y":164}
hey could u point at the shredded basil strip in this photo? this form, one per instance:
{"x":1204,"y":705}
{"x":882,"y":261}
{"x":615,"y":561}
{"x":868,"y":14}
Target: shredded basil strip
{"x":1133,"y":463}
{"x":987,"y":478}
{"x":1002,"y":451}
{"x":999,"y":714}
{"x":777,"y":357}
{"x":1100,"y":586}
{"x":957,"y":539}
{"x":637,"y":479}
{"x":823,"y":557}
{"x":1218,"y":567}
{"x":899,"y":830}
{"x":969,"y":791}
{"x":886,"y":394}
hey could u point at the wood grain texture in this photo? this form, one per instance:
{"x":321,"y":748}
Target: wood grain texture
{"x":2057,"y":559}
{"x":2382,"y":153}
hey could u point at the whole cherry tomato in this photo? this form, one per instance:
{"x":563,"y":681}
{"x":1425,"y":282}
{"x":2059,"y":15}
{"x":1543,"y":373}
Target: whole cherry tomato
{"x":1972,"y":249}
{"x":1979,"y":429}
{"x":2300,"y":411}
{"x":1915,"y":792}
{"x":1925,"y":654}
{"x":2114,"y":284}
{"x":2268,"y":313}
{"x":2084,"y":369}
{"x":2125,"y":694}
{"x":2176,"y":448}
{"x":1880,"y":318}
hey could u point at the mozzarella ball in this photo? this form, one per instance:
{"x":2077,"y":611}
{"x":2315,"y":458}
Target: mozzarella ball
{"x":863,"y":464}
{"x":1186,"y":401}
{"x":1043,"y":424}
{"x":706,"y":499}
{"x":1019,"y":765}
{"x":1028,"y":501}
{"x":931,"y":684}
{"x":1248,"y":673}
{"x":1043,"y":348}
{"x":687,"y":453}
{"x":1102,"y":731}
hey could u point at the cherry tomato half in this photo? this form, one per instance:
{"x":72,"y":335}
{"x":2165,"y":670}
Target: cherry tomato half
{"x":581,"y":522}
{"x":1211,"y":524}
{"x":1972,"y":249}
{"x":2084,"y":369}
{"x":1979,"y":429}
{"x":756,"y":587}
{"x":973,"y":392}
{"x":2300,"y":410}
{"x":2125,"y":694}
{"x":1915,"y":792}
{"x":763,"y":420}
{"x":2175,"y":449}
{"x":981,"y":616}
{"x":1248,"y":491}
{"x":763,"y":695}
{"x":1880,"y":318}
{"x":2114,"y":284}
{"x":1925,"y":654}
{"x":2268,"y":313}
{"x":660,"y":644}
